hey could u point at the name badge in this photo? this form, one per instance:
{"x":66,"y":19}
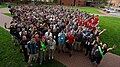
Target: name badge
{"x":62,"y":38}
{"x":26,"y":46}
{"x":88,"y":43}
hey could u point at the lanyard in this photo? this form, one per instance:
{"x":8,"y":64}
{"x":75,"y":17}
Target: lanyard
{"x":101,"y":52}
{"x":43,"y":46}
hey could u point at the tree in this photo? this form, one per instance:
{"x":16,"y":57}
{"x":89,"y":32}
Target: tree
{"x":74,"y":2}
{"x":98,"y":2}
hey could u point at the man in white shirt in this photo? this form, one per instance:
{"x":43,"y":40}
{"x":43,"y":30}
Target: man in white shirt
{"x":48,"y":33}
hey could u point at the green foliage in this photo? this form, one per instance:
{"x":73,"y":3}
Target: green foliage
{"x":55,"y":1}
{"x":102,"y":7}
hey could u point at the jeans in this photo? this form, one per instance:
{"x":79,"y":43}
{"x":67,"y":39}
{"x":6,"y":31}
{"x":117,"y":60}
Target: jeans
{"x":42,"y":56}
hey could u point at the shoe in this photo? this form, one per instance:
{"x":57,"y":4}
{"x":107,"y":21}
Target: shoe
{"x":59,"y":51}
{"x":30,"y":65}
{"x":70,"y":55}
{"x":98,"y":65}
{"x":63,"y":51}
{"x":40,"y":63}
{"x":52,"y":57}
{"x":85,"y":54}
{"x":49,"y":58}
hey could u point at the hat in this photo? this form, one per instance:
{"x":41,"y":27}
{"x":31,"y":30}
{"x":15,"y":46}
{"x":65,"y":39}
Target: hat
{"x":43,"y":37}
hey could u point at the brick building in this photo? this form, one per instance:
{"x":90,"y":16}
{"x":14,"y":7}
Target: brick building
{"x":72,"y":2}
{"x":78,"y":2}
{"x":65,"y":2}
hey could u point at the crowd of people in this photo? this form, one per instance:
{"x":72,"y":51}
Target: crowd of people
{"x":41,"y":30}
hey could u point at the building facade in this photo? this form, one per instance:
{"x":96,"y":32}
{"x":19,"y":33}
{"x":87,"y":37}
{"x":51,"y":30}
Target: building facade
{"x":115,"y":3}
{"x":72,"y":2}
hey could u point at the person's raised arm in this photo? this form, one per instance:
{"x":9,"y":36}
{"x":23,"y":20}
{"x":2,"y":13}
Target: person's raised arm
{"x":113,"y":47}
{"x":102,"y":31}
{"x":93,"y":42}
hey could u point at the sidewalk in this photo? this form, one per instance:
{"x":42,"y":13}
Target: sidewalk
{"x":106,"y":14}
{"x":78,"y":59}
{"x":4,"y":19}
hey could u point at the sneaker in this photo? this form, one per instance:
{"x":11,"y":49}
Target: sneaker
{"x":29,"y":65}
{"x":97,"y":65}
{"x":70,"y":55}
{"x":93,"y":63}
{"x":49,"y":58}
{"x":63,"y":51}
{"x":85,"y":54}
{"x":52,"y":57}
{"x":40,"y":63}
{"x":59,"y":51}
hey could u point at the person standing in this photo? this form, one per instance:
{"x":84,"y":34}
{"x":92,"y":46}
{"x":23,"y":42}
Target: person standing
{"x":51,"y":43}
{"x":43,"y":48}
{"x":33,"y":51}
{"x":48,"y":33}
{"x":99,"y":52}
{"x":24,"y":48}
{"x":71,"y":41}
{"x":89,"y":45}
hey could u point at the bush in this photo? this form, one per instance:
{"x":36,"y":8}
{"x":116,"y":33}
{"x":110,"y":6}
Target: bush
{"x":102,"y":7}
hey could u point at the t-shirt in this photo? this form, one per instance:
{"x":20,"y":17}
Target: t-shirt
{"x":33,"y":48}
{"x":70,"y":38}
{"x":24,"y":44}
{"x":97,"y":52}
{"x":61,"y":38}
{"x":51,"y":44}
{"x":79,"y":37}
{"x":38,"y":43}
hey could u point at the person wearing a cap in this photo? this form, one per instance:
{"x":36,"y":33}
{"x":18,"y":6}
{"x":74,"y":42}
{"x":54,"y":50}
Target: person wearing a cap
{"x":43,"y":49}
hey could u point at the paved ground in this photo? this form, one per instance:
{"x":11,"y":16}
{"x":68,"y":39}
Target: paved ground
{"x":78,"y":59}
{"x":108,"y":14}
{"x":4,"y":19}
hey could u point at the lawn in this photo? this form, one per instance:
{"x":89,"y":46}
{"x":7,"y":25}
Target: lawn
{"x":8,"y":14}
{"x":5,"y":6}
{"x":10,"y":55}
{"x":87,"y":9}
{"x":112,"y":35}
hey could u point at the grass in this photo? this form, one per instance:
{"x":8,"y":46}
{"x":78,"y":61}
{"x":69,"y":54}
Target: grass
{"x":8,"y":14}
{"x":6,"y":6}
{"x":86,"y":9}
{"x":112,"y":35}
{"x":3,"y":6}
{"x":10,"y":55}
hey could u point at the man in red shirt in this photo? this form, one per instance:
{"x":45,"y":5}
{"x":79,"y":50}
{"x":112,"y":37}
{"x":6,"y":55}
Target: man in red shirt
{"x":70,"y":40}
{"x":96,"y":21}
